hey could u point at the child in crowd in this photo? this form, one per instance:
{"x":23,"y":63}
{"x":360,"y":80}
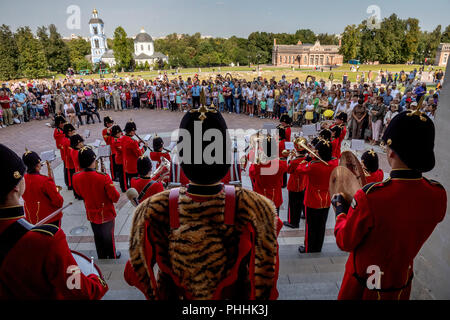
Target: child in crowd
{"x":19,"y":110}
{"x":221,"y":102}
{"x":270,"y":105}
{"x":262,"y":106}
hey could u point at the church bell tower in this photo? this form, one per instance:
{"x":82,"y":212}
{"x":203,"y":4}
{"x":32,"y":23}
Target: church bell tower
{"x":99,"y":44}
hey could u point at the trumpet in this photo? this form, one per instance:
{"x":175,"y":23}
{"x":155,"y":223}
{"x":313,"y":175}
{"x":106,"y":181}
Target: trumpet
{"x":51,"y":175}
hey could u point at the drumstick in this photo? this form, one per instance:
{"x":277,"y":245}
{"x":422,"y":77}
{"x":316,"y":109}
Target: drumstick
{"x":54,"y":214}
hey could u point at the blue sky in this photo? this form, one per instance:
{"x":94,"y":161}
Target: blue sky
{"x":222,"y":18}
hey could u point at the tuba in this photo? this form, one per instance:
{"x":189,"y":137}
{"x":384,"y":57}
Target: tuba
{"x":163,"y":171}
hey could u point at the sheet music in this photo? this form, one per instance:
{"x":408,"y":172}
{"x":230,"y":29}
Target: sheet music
{"x":289,"y":145}
{"x":48,"y":155}
{"x":358,"y":145}
{"x":309,"y":130}
{"x":104,"y":151}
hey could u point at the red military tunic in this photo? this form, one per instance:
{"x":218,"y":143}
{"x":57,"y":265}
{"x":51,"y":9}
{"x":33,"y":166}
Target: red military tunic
{"x":74,"y":157}
{"x":317,"y":195}
{"x":156,"y":156}
{"x":281,"y":148}
{"x":116,"y":148}
{"x":268,"y":180}
{"x":377,"y":176}
{"x":288,"y":134}
{"x":140,"y":183}
{"x":131,"y":154}
{"x":67,"y":151}
{"x":99,"y":195}
{"x":37,"y":266}
{"x":106,"y":136}
{"x":386,"y":226}
{"x":297,"y":180}
{"x":336,"y":145}
{"x":41,"y":198}
{"x":58,"y":135}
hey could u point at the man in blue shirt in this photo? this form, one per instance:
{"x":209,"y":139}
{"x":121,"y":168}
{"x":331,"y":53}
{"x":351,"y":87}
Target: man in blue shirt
{"x":196,"y":90}
{"x":21,"y":99}
{"x":237,"y":92}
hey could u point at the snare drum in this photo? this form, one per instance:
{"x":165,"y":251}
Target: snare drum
{"x":86,"y":266}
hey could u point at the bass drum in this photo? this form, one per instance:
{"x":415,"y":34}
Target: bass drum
{"x":86,"y":266}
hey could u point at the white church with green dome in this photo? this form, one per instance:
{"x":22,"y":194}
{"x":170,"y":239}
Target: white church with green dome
{"x":144,"y":46}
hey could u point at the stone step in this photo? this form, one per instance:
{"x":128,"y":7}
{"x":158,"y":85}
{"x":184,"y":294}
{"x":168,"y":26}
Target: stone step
{"x":308,"y":291}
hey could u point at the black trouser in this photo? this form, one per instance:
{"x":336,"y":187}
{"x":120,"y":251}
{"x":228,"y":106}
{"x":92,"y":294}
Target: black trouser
{"x":119,"y":171}
{"x":79,"y":114}
{"x":104,"y":240}
{"x":113,"y":167}
{"x":173,"y":106}
{"x":89,"y":116}
{"x":285,"y":180}
{"x":129,"y":177}
{"x":71,"y":173}
{"x":66,"y":176}
{"x":296,"y":207}
{"x":316,"y":220}
{"x":195,"y":102}
{"x":135,"y":102}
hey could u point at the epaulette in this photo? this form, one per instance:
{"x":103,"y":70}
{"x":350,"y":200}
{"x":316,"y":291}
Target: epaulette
{"x":77,"y":173}
{"x":372,"y":186}
{"x":434,"y":183}
{"x":47,"y":229}
{"x":102,"y":173}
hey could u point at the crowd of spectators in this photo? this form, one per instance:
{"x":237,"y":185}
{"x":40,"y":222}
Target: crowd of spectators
{"x":370,"y":105}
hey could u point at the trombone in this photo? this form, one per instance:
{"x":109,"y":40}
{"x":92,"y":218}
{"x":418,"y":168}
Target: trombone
{"x":302,"y":144}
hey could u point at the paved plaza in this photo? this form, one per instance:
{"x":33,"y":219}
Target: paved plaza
{"x":302,"y":277}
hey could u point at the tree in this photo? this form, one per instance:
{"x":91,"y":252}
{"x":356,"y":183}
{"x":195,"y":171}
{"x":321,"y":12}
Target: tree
{"x":122,"y":51}
{"x":78,"y":50}
{"x":445,"y":37}
{"x":411,"y":39}
{"x":56,"y":51}
{"x":306,"y":36}
{"x":31,"y":59}
{"x":8,"y":54}
{"x":350,"y":42}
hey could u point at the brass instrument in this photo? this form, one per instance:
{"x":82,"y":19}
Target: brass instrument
{"x":51,"y":175}
{"x":165,"y":164}
{"x":303,"y":145}
{"x":102,"y":165}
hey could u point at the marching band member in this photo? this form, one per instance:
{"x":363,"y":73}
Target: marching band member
{"x":158,"y":151}
{"x":199,"y":234}
{"x":58,"y":135}
{"x":370,"y":163}
{"x":130,"y":152}
{"x":41,"y":197}
{"x":341,"y":121}
{"x":336,"y":142}
{"x":116,"y":150}
{"x":296,"y":187}
{"x":34,"y":260}
{"x":99,"y":195}
{"x":106,"y":133}
{"x":387,"y":223}
{"x":268,"y":176}
{"x":144,"y":185}
{"x":234,"y":174}
{"x":76,"y":144}
{"x":317,"y":196}
{"x":286,"y":122}
{"x":69,"y":131}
